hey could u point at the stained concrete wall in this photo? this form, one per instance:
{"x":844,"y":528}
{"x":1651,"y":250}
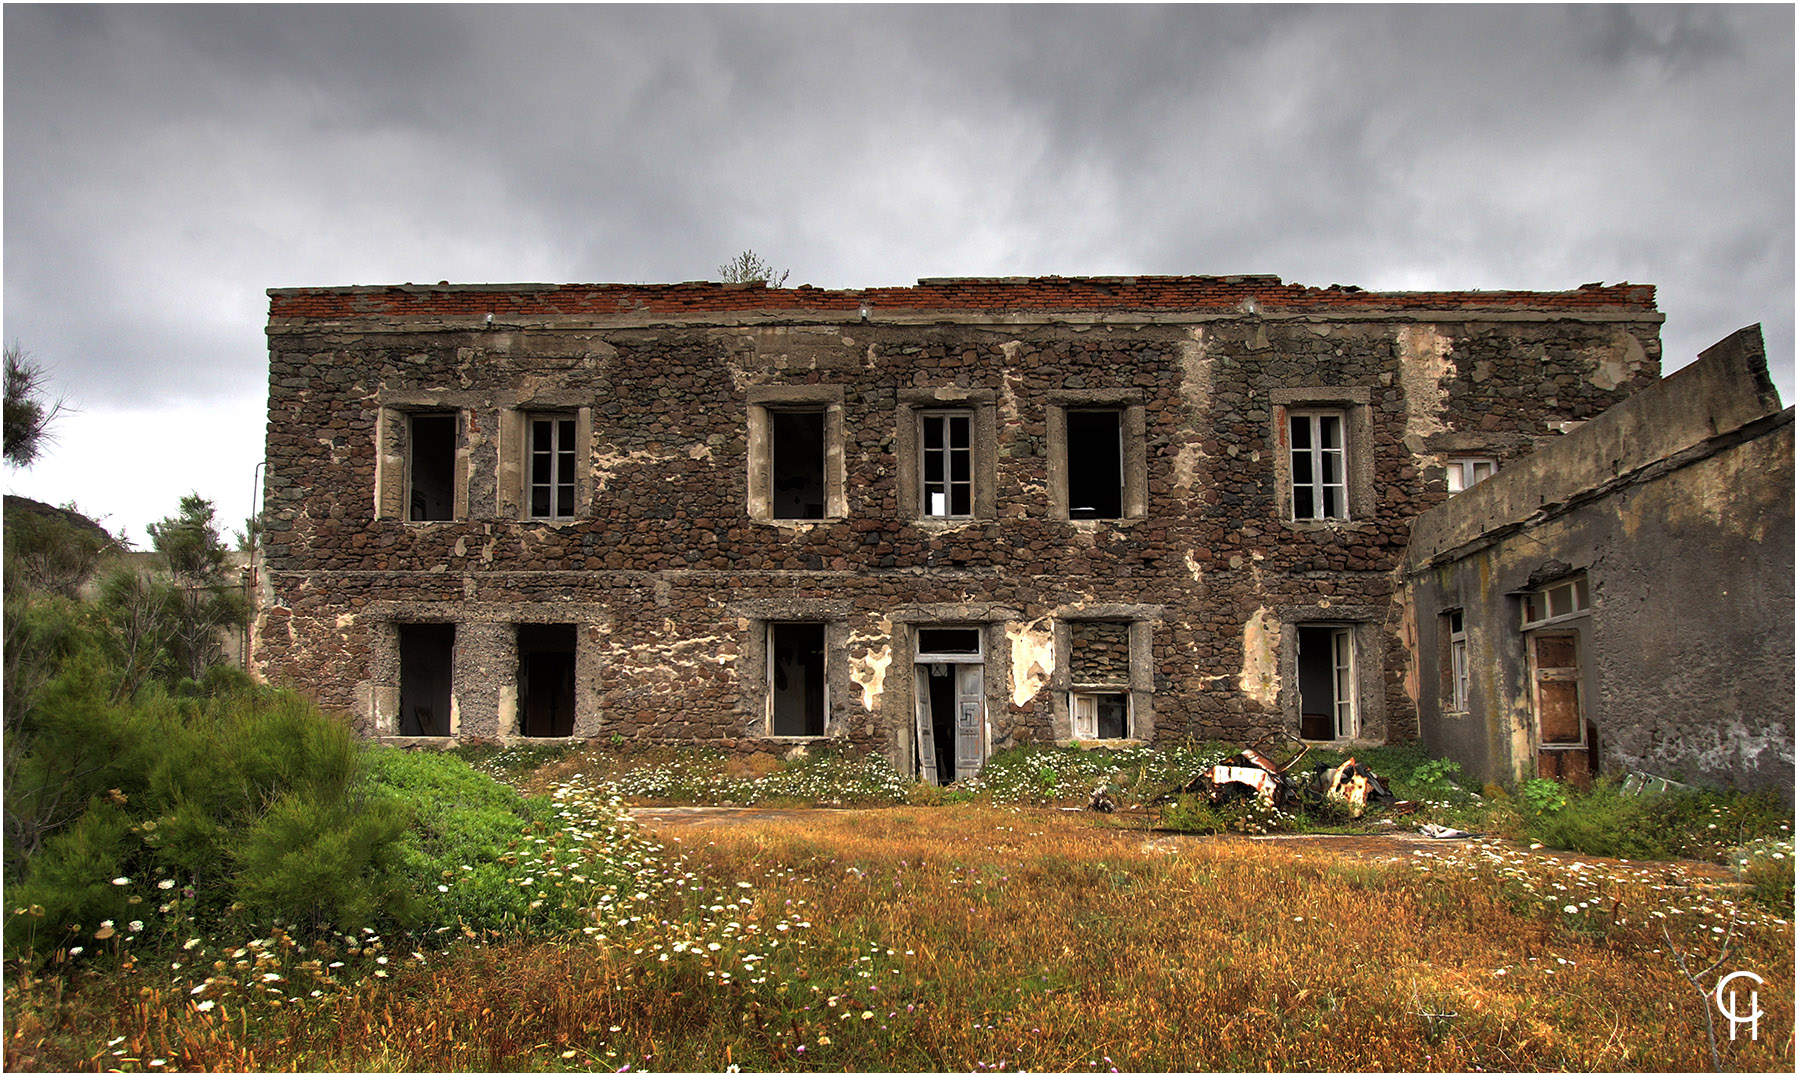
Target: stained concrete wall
{"x":673,"y":577}
{"x":1677,"y":505}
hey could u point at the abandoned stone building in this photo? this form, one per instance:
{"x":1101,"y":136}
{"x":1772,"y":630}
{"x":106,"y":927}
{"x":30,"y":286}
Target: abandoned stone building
{"x":927,"y":521}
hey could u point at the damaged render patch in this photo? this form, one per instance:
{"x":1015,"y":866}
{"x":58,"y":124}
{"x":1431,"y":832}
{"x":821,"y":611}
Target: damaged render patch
{"x":1032,"y":658}
{"x":1424,"y":371}
{"x":1261,"y":658}
{"x":869,"y":669}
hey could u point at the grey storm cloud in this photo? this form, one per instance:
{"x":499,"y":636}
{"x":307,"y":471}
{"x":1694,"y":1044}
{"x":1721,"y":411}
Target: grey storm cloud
{"x":164,"y":166}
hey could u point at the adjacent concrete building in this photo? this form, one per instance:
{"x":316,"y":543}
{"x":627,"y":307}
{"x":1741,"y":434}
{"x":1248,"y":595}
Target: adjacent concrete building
{"x":930,"y":521}
{"x":1621,"y":599}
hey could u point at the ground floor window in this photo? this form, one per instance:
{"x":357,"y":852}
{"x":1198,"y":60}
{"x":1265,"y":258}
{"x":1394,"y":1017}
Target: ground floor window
{"x":1326,"y":666}
{"x":1099,"y":679}
{"x":1100,"y":715}
{"x":797,"y":699}
{"x":427,"y":655}
{"x":546,"y":679}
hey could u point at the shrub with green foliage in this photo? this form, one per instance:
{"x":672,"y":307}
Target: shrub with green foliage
{"x":250,"y":802}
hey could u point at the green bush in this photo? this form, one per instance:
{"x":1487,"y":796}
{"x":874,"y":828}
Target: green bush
{"x":1765,"y":864}
{"x":250,"y":803}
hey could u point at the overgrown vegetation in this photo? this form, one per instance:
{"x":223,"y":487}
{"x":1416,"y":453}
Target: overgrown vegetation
{"x":989,"y":939}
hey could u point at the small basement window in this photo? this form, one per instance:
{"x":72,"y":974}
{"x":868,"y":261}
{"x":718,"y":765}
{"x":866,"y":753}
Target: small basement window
{"x":431,"y":467}
{"x":427,"y":657}
{"x":1095,"y":464}
{"x":1100,"y":715}
{"x":546,"y":679}
{"x":797,"y":698}
{"x":797,"y":466}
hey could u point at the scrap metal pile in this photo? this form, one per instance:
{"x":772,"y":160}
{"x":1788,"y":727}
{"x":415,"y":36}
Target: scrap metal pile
{"x":1251,"y":773}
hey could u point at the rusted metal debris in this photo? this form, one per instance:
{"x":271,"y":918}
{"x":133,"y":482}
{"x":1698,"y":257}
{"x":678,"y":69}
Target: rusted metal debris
{"x":1249,"y":772}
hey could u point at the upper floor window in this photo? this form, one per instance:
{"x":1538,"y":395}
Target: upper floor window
{"x":551,"y":466}
{"x":1098,"y":464}
{"x":1319,"y":465}
{"x":795,"y":452}
{"x":946,"y":448}
{"x":946,"y":455}
{"x":1466,"y":473}
{"x":430,"y":466}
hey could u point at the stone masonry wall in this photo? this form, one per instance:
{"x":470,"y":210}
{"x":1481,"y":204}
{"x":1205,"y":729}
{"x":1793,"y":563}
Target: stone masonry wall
{"x":669,"y":578}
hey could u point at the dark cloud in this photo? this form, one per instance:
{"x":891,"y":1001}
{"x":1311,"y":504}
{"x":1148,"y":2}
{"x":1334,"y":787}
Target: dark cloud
{"x":165,"y":165}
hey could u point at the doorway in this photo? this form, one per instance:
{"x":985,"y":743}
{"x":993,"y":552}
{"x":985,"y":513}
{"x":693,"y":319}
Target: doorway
{"x":546,"y":679}
{"x":1326,"y":660}
{"x":951,"y":704}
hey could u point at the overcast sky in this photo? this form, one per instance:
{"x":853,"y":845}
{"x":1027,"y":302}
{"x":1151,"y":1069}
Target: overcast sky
{"x":165,"y":166}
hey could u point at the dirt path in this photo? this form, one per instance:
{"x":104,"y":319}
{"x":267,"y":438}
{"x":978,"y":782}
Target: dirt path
{"x":1400,"y":844}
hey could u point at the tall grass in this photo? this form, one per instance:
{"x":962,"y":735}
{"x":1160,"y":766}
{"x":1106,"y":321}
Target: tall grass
{"x":991,"y":939}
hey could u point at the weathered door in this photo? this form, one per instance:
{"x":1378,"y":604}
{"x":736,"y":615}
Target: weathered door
{"x":1558,"y":705}
{"x":926,"y":728}
{"x":970,"y":721}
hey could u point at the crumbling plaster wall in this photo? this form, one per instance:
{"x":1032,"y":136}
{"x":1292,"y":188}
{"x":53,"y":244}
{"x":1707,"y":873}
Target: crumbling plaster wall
{"x":1678,"y":507}
{"x":671,"y":580}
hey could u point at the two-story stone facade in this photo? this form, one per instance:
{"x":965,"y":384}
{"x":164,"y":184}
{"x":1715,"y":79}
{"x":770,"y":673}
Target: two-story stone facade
{"x":930,"y":521}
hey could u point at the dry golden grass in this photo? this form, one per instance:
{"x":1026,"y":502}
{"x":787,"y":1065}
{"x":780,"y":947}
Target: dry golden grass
{"x":991,"y":939}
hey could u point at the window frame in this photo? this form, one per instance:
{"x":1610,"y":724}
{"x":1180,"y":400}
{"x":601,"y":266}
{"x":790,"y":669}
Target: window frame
{"x":1459,"y":682}
{"x":763,"y":403}
{"x":561,"y":422}
{"x":1316,"y":454}
{"x":1459,"y":467}
{"x":1577,"y":590}
{"x":1137,"y":686}
{"x":1133,"y":491}
{"x":1353,"y":403}
{"x":948,"y":451}
{"x":396,"y":453}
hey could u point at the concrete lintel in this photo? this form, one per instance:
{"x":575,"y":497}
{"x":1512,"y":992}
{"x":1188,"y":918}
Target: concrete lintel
{"x":995,"y":319}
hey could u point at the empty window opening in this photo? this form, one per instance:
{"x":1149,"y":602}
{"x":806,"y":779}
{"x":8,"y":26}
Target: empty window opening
{"x":1326,"y":661}
{"x":431,"y":446}
{"x":948,"y":640}
{"x":546,"y":679}
{"x":951,"y":704}
{"x":796,"y":698}
{"x":1319,"y":483}
{"x":798,"y":463}
{"x":552,"y":468}
{"x":1466,"y":473}
{"x":1095,"y":448}
{"x":947,"y":438}
{"x":427,"y":655}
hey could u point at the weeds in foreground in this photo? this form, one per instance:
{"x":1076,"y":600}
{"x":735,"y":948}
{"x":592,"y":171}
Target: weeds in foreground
{"x":992,"y":939}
